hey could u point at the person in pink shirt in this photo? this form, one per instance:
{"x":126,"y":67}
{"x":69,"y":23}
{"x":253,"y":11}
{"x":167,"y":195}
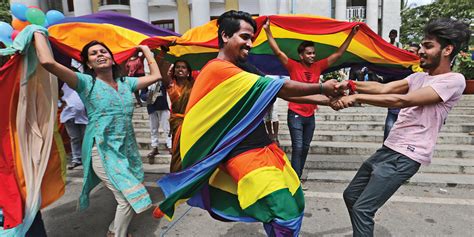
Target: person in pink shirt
{"x":425,"y":98}
{"x":301,"y":121}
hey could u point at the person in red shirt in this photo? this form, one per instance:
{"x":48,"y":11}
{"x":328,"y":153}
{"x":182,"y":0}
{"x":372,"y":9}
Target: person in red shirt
{"x":301,"y":116}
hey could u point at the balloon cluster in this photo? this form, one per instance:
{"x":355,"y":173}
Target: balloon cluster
{"x":23,"y":16}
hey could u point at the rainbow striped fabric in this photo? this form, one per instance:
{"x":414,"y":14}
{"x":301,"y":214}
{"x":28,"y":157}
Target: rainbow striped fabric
{"x":226,"y":104}
{"x":119,"y":32}
{"x":35,"y":175}
{"x":199,"y":45}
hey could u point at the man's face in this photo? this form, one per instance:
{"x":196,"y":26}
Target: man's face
{"x":239,"y":44}
{"x":413,"y":50}
{"x":392,"y":35}
{"x":308,"y":55}
{"x":430,"y":53}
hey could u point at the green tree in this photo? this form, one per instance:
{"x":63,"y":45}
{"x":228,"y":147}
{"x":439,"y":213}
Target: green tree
{"x":5,"y":12}
{"x":414,"y":19}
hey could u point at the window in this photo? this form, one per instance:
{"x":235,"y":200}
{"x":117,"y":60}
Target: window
{"x":115,"y":2}
{"x":70,"y":5}
{"x":166,"y":24}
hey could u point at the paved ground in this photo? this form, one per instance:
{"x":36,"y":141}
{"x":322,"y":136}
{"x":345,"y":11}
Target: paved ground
{"x":413,"y":211}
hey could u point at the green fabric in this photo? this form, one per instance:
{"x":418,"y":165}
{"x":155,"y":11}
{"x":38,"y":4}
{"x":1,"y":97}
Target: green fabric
{"x":23,"y":45}
{"x":280,"y":204}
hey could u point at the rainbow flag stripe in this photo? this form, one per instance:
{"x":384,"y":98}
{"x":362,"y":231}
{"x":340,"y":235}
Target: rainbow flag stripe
{"x":199,"y":45}
{"x":119,"y":32}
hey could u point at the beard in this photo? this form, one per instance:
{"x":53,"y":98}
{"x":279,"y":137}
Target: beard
{"x":435,"y":60}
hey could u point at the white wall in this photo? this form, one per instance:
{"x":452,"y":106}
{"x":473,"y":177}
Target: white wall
{"x":250,"y":6}
{"x":217,"y":9}
{"x":391,"y":18}
{"x":165,"y":13}
{"x":319,"y":8}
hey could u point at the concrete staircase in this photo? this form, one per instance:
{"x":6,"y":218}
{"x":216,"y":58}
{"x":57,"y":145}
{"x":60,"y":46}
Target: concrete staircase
{"x":344,"y":139}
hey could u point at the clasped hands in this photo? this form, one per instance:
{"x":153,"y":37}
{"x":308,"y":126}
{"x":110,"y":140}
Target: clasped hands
{"x":337,"y":94}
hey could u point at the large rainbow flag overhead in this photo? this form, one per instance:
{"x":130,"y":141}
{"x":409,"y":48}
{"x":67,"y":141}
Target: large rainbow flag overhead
{"x":199,"y":45}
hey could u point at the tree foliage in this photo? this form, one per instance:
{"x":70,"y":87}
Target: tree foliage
{"x":414,"y":19}
{"x":5,"y":12}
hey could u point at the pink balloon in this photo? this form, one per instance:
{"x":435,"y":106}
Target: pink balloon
{"x":14,"y":34}
{"x":34,"y":7}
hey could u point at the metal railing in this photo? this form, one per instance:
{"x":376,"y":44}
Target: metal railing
{"x":355,"y":13}
{"x":114,"y":2}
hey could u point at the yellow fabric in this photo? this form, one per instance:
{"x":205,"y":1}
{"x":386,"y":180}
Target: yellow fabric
{"x":216,"y":104}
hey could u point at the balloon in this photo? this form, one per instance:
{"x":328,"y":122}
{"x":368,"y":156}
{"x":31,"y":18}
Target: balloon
{"x":14,"y":34}
{"x":34,"y":7}
{"x":19,"y":11}
{"x":6,"y":40}
{"x":6,"y":29}
{"x":46,"y":23}
{"x":19,"y":25}
{"x":35,"y":16}
{"x":54,"y":16}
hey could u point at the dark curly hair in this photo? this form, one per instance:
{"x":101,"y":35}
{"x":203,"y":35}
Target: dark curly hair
{"x":229,"y":23}
{"x":449,"y":32}
{"x":116,"y":70}
{"x":303,"y":45}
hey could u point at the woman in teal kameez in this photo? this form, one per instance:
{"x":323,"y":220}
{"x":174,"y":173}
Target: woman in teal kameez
{"x":110,"y":151}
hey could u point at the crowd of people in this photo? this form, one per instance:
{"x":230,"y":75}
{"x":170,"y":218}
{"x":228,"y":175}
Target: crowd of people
{"x":98,"y":104}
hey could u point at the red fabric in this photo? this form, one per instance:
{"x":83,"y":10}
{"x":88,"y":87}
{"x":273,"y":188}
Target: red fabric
{"x":135,"y":67}
{"x":10,"y":197}
{"x":302,"y":73}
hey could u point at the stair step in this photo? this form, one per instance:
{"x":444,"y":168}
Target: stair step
{"x":419,"y":179}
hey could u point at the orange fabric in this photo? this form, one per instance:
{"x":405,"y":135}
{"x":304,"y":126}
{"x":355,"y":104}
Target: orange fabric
{"x":241,"y":165}
{"x":226,"y":70}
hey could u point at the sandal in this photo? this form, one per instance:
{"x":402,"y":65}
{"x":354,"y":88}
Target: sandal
{"x":112,"y":234}
{"x":73,"y":165}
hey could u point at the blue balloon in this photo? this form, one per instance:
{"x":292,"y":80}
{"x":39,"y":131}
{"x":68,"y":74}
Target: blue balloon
{"x":5,"y":29}
{"x":46,"y":23}
{"x":19,"y":11}
{"x":6,"y":40}
{"x":53,"y":16}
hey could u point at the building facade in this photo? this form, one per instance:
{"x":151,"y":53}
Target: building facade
{"x":180,"y":15}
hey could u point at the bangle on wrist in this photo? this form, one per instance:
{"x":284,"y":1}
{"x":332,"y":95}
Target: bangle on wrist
{"x":352,"y":86}
{"x":321,"y":88}
{"x":151,"y":62}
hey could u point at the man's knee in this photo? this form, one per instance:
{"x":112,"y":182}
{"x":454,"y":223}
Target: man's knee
{"x":349,"y":198}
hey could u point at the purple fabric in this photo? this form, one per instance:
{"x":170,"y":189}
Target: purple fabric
{"x":121,"y":20}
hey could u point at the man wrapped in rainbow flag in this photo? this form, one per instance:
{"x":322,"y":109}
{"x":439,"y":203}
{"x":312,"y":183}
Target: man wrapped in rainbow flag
{"x":230,"y":166}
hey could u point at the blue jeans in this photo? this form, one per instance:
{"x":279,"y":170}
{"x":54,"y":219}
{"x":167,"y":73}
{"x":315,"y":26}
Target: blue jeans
{"x":76,"y":134}
{"x":392,"y":116}
{"x":375,"y":182}
{"x":301,"y":133}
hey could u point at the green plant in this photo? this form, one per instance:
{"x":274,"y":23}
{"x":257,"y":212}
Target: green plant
{"x":465,"y":65}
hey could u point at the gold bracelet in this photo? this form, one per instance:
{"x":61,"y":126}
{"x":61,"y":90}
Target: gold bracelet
{"x":150,"y":63}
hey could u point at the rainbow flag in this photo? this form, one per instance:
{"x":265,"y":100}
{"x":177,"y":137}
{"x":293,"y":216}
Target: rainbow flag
{"x":31,"y":144}
{"x":226,"y":104}
{"x":122,"y":34}
{"x":199,"y":45}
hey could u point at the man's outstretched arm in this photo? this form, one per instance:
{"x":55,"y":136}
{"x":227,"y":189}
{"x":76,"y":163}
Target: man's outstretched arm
{"x":335,"y":56}
{"x":273,"y":44}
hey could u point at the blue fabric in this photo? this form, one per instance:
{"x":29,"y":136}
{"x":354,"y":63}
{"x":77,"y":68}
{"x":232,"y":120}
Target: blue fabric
{"x":301,"y":133}
{"x":392,"y":116}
